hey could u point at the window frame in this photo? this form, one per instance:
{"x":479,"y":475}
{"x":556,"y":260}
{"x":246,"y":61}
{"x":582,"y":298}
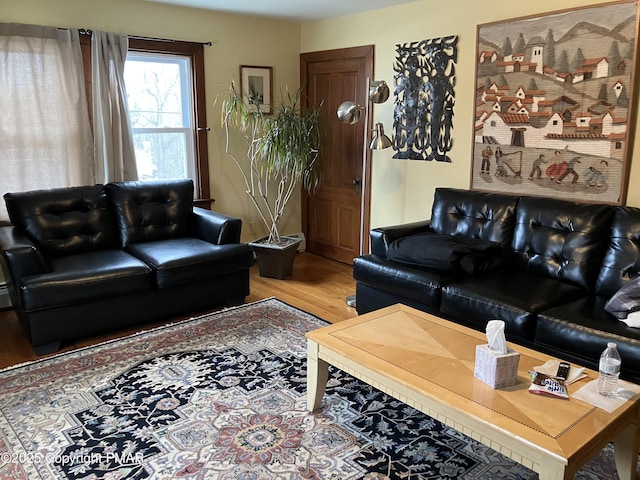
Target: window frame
{"x":195,"y":52}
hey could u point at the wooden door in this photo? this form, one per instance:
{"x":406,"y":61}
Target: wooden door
{"x":335,"y":219}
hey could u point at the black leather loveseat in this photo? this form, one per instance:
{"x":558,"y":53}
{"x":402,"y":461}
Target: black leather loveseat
{"x":559,"y":264}
{"x":85,"y":260}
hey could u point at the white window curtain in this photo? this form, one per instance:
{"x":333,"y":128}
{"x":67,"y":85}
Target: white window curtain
{"x":114,"y":152}
{"x":45,"y":135}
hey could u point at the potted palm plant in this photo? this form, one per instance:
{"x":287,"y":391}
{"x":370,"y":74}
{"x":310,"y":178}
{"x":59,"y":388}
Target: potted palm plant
{"x":281,"y":153}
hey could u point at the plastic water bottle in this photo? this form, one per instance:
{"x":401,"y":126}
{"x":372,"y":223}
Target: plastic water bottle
{"x":609,"y":371}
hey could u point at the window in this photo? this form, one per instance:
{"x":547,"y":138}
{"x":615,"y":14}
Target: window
{"x":160,"y":106}
{"x":165,"y":88}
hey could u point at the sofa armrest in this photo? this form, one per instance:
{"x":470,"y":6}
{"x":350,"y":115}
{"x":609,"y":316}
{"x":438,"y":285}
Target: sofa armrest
{"x":382,"y":237}
{"x":216,"y":227}
{"x":20,"y":256}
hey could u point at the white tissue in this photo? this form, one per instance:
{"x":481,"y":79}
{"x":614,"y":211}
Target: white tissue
{"x":495,"y":336}
{"x":633,"y":319}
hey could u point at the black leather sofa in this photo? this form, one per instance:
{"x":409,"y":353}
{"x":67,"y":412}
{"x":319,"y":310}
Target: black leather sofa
{"x":85,"y":260}
{"x":560,"y":262}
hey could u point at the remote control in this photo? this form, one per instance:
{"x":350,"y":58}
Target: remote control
{"x":563,"y":370}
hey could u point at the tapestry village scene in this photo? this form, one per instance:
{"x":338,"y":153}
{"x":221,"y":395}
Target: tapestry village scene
{"x":552,"y":104}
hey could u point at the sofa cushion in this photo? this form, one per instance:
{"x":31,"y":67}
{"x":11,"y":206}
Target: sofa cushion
{"x":414,"y":283}
{"x":560,"y":239}
{"x":515,"y":297}
{"x":64,"y":221}
{"x":150,"y":211}
{"x":446,"y":252}
{"x":621,"y":262}
{"x":75,"y":279}
{"x":581,"y":329}
{"x":487,"y":216}
{"x":182,"y":260}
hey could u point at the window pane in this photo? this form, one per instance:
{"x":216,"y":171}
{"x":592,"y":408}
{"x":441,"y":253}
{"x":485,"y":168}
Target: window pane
{"x":160,"y":105}
{"x":162,"y":155}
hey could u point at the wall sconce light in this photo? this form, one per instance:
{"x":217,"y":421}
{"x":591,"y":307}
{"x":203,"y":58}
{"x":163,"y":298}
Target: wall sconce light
{"x":350,"y":112}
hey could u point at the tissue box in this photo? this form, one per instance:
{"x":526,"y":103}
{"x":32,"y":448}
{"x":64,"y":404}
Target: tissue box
{"x":495,"y":369}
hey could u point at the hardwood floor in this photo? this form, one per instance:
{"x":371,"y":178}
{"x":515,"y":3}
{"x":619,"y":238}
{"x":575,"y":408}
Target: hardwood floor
{"x":317,"y":285}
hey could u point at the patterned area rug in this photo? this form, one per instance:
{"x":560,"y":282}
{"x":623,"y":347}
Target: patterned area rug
{"x":223,"y":397}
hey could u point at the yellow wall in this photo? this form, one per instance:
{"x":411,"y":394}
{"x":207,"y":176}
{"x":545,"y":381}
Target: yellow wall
{"x":238,"y":40}
{"x":402,"y":190}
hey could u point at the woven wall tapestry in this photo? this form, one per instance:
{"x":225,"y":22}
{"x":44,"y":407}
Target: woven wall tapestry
{"x":554,"y":105}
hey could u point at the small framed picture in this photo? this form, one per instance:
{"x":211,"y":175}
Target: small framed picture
{"x":256,"y":86}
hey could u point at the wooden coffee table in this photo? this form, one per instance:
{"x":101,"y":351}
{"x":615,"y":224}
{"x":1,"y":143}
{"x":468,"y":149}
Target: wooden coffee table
{"x":428,"y":363}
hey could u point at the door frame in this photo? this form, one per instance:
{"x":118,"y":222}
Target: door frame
{"x":367,"y":52}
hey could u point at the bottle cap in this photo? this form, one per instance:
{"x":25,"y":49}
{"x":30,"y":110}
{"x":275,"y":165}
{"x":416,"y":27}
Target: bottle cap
{"x":611,"y":345}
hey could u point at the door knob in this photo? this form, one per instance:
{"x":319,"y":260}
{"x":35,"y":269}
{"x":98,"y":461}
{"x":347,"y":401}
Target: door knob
{"x":357,"y":182}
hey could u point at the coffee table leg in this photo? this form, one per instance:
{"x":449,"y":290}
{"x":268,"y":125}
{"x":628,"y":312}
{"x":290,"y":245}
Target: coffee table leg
{"x":625,"y":448}
{"x":554,"y":471}
{"x":317,"y":376}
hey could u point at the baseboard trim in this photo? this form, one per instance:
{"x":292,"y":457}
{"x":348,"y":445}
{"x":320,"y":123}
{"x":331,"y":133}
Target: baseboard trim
{"x":5,"y":301}
{"x":302,"y":246}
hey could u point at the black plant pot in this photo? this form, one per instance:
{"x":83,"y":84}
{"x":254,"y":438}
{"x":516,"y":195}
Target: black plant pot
{"x":276,"y":261}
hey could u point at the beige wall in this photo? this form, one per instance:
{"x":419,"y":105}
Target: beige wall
{"x":402,"y":190}
{"x":238,"y":40}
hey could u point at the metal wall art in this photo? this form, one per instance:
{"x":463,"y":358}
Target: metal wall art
{"x":554,"y":103}
{"x":424,"y":90}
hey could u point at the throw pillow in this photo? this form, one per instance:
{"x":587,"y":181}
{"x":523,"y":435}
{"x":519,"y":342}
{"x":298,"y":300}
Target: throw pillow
{"x":625,"y":300}
{"x":446,"y":252}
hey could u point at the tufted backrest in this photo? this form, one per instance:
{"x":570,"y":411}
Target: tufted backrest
{"x":149,"y":211}
{"x":622,"y":258}
{"x":64,"y":221}
{"x":487,"y":216}
{"x":561,"y":239}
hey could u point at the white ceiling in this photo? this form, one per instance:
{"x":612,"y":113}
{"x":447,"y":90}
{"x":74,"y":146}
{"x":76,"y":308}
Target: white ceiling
{"x":296,"y":10}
